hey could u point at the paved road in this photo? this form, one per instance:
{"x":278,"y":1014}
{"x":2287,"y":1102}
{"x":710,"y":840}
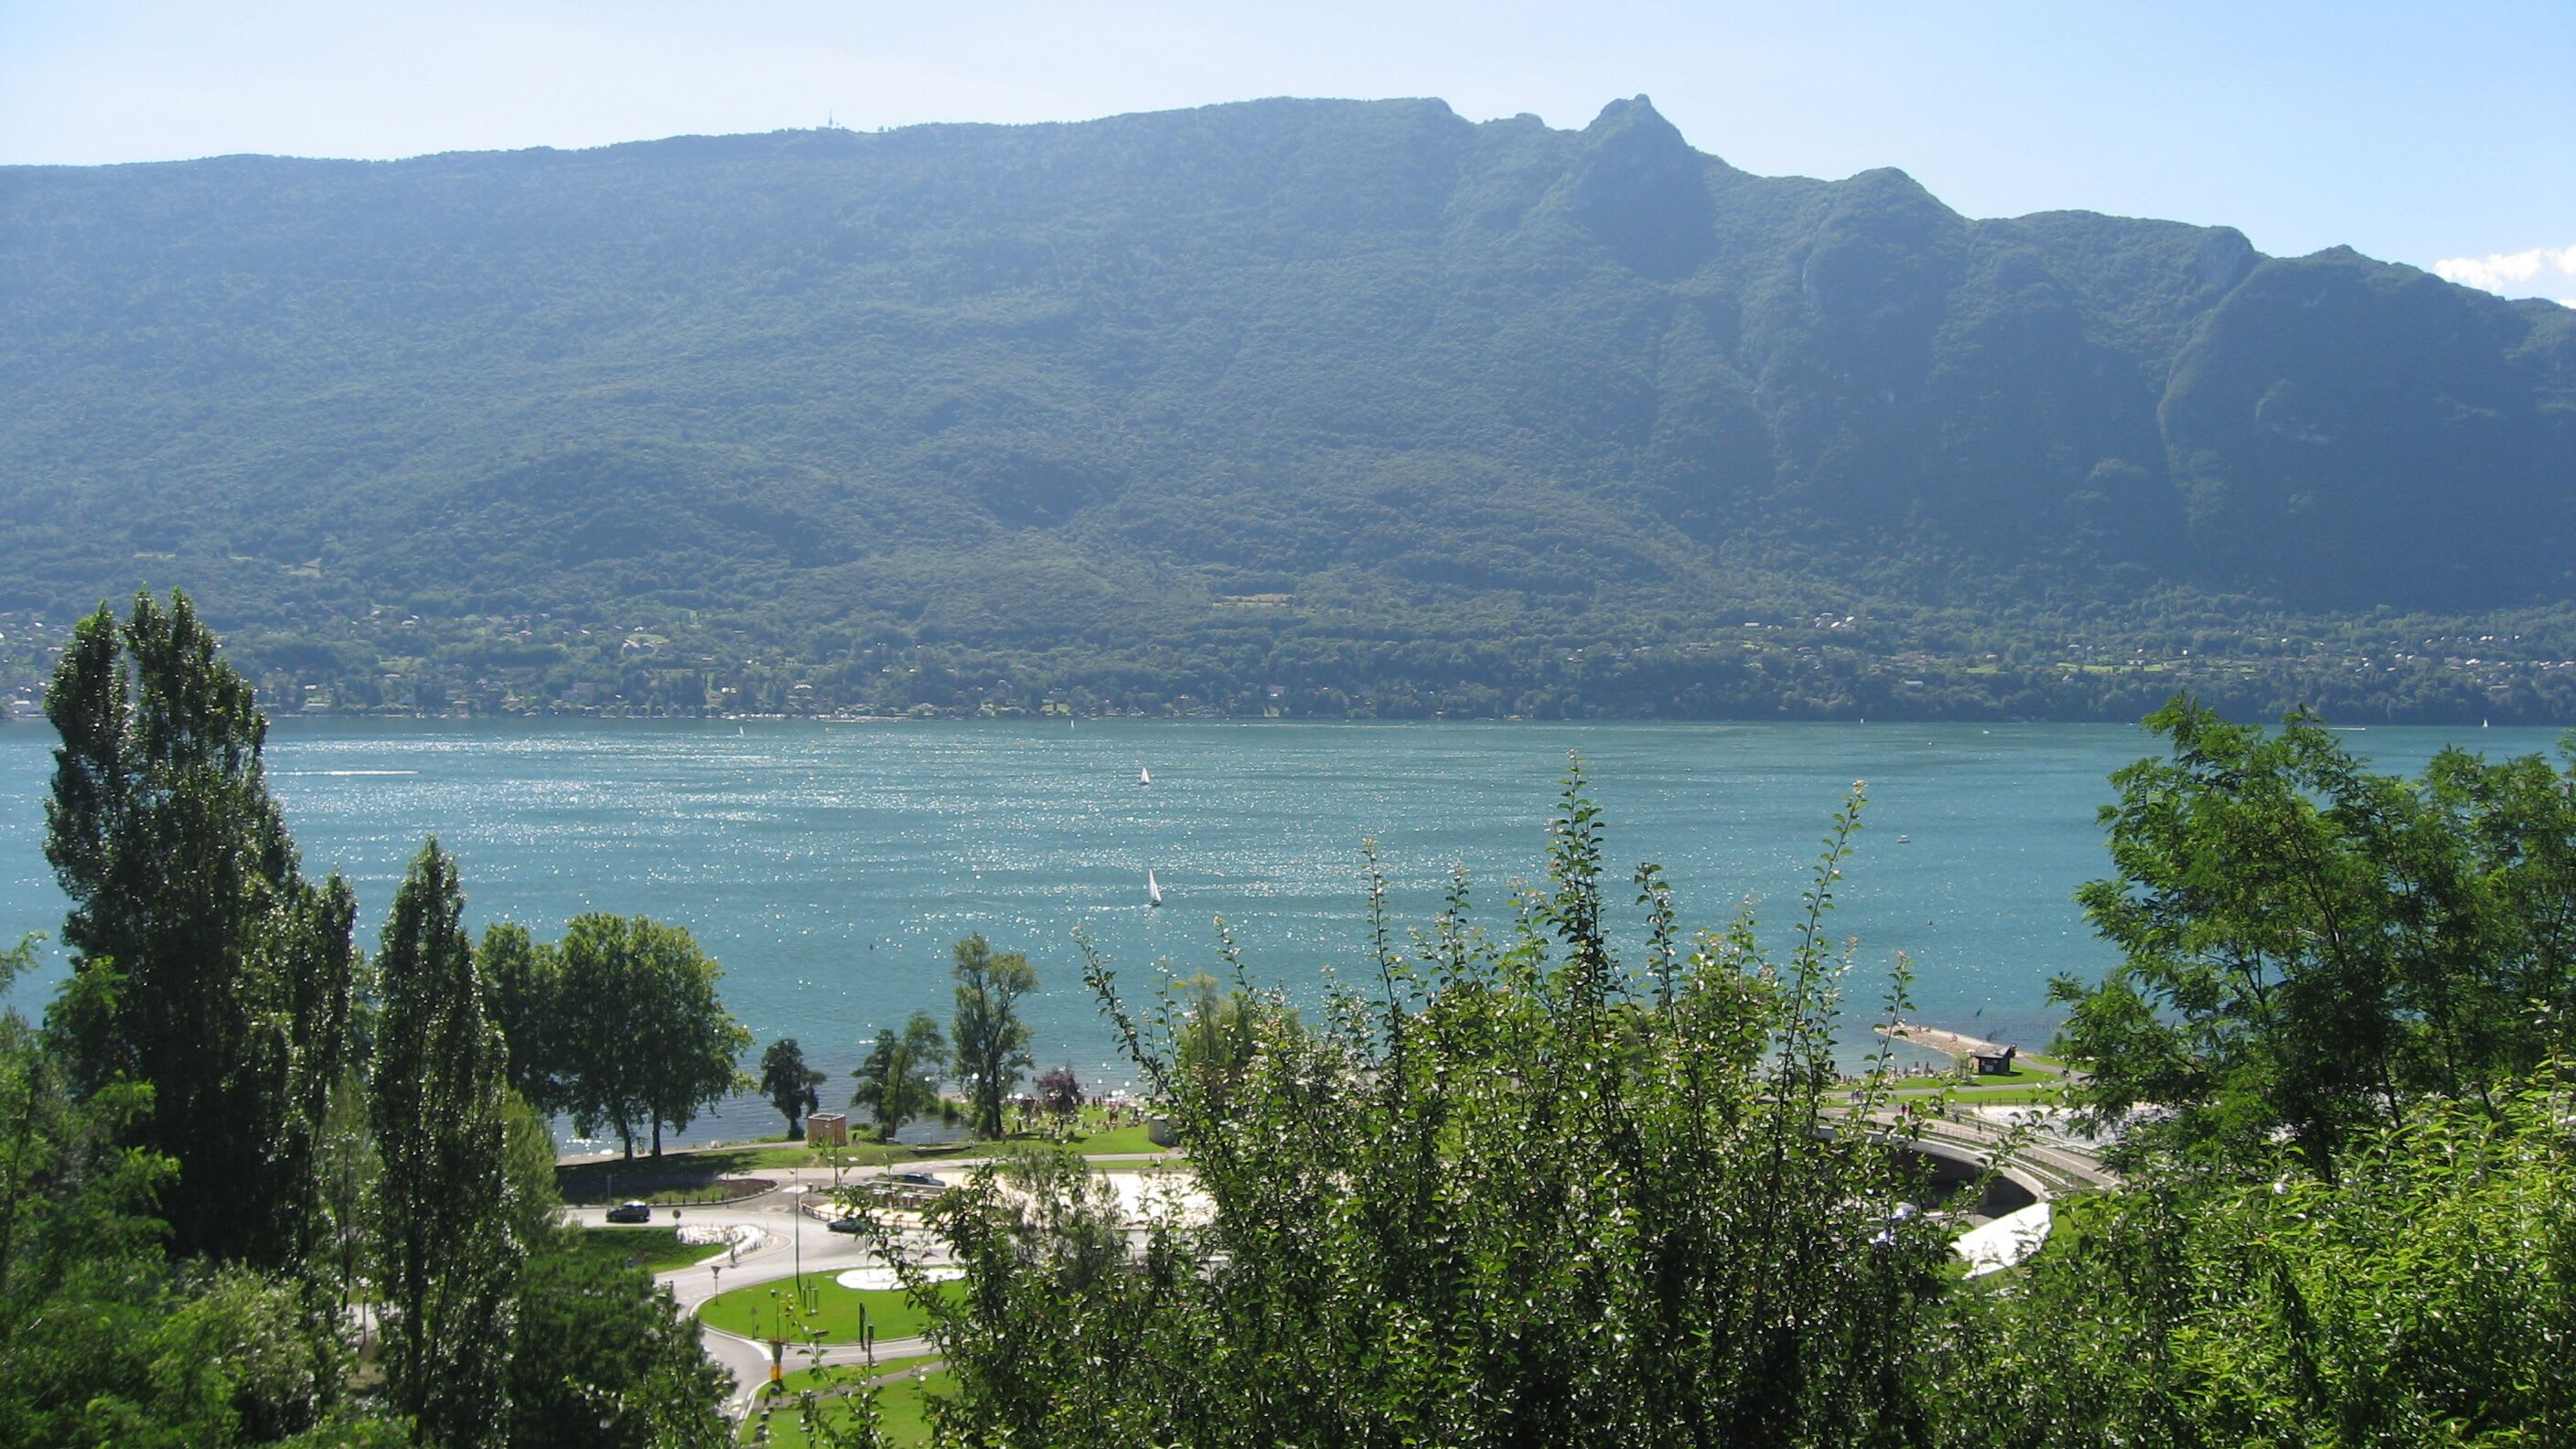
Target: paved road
{"x":774,"y":1255}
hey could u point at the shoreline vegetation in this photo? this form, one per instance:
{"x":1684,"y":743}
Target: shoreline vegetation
{"x":2517,"y":669}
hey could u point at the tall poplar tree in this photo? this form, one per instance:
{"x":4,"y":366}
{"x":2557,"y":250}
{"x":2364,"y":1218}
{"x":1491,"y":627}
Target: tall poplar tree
{"x":992,"y":1042}
{"x":449,"y":1260}
{"x":216,"y":971}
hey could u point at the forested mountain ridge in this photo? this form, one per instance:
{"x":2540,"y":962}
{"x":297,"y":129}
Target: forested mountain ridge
{"x":1317,"y":406}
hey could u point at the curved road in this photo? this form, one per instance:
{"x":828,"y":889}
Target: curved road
{"x":770,"y":1257}
{"x":774,"y":1256}
{"x":775,"y":1253}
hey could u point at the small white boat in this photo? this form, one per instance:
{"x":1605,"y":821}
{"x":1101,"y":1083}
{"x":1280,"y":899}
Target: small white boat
{"x":1144,"y":776}
{"x":1153,"y":891}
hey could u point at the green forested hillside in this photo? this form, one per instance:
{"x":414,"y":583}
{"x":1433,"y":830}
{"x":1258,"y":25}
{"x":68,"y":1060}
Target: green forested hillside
{"x":1316,"y":406}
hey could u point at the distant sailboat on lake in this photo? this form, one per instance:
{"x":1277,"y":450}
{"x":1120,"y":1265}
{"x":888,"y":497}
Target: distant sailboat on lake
{"x":1153,"y":891}
{"x":1144,"y":776}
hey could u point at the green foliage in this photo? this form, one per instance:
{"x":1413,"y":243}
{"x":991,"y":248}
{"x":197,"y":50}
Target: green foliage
{"x":655,"y":1250}
{"x":101,"y":1342}
{"x":621,"y":1368}
{"x":528,"y":1167}
{"x":2309,"y":948}
{"x":629,"y":1027}
{"x":349,"y":1170}
{"x":789,"y":1083}
{"x":896,"y":1082}
{"x":991,"y":1042}
{"x":233,"y":974}
{"x":522,"y":979}
{"x":1504,"y":1194}
{"x":447,"y":1258}
{"x":1393,"y":412}
{"x":427,"y":1178}
{"x":2421,"y":1291}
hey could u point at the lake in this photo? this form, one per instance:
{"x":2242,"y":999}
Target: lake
{"x":830,"y":866}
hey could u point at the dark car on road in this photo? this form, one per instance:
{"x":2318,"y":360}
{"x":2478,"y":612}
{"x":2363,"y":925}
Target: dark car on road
{"x":630,"y":1212}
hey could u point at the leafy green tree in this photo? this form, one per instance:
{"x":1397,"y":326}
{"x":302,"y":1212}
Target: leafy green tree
{"x":523,"y":981}
{"x":234,"y":973}
{"x":102,"y":1341}
{"x":2419,"y":1290}
{"x":2309,"y":948}
{"x":896,"y":1083}
{"x":1513,"y":1192}
{"x":790,"y":1083}
{"x":602,"y":1360}
{"x":640,"y":1035}
{"x":535,"y":1204}
{"x":612,"y":1363}
{"x":349,"y":1170}
{"x":991,"y":1042}
{"x":1219,"y":1030}
{"x":440,"y":1115}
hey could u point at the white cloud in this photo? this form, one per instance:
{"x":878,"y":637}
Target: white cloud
{"x":2504,"y":272}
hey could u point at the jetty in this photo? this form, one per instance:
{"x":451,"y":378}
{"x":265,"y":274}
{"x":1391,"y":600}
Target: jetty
{"x":1991,"y":1059}
{"x":1948,"y":1043}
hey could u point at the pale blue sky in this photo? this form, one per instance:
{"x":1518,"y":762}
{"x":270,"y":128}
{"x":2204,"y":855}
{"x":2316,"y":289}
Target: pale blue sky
{"x":2414,"y":132}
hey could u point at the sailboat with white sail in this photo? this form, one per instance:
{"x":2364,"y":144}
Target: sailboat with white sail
{"x":1153,"y":890}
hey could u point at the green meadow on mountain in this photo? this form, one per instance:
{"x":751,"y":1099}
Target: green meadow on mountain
{"x":1309,"y":407}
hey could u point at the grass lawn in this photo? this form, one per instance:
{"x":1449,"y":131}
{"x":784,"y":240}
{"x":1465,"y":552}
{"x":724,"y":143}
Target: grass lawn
{"x":900,"y":1409}
{"x":655,"y":1250}
{"x":846,"y":1375}
{"x":1117,"y":1140}
{"x":1977,"y":1084}
{"x":888,"y":1154}
{"x":2049,"y":1094}
{"x":754,"y":1311}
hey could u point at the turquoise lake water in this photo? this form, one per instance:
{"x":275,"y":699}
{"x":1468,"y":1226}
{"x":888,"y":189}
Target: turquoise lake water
{"x":830,"y":866}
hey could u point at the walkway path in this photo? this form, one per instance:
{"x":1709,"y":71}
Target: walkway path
{"x":782,"y":1243}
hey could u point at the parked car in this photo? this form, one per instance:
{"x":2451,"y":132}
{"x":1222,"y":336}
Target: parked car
{"x":631,"y":1212}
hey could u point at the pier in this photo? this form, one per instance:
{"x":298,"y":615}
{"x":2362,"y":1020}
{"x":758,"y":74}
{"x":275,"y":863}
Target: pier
{"x":1948,"y":1043}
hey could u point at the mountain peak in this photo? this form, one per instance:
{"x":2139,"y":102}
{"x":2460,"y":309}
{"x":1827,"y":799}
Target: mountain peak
{"x":1634,"y":120}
